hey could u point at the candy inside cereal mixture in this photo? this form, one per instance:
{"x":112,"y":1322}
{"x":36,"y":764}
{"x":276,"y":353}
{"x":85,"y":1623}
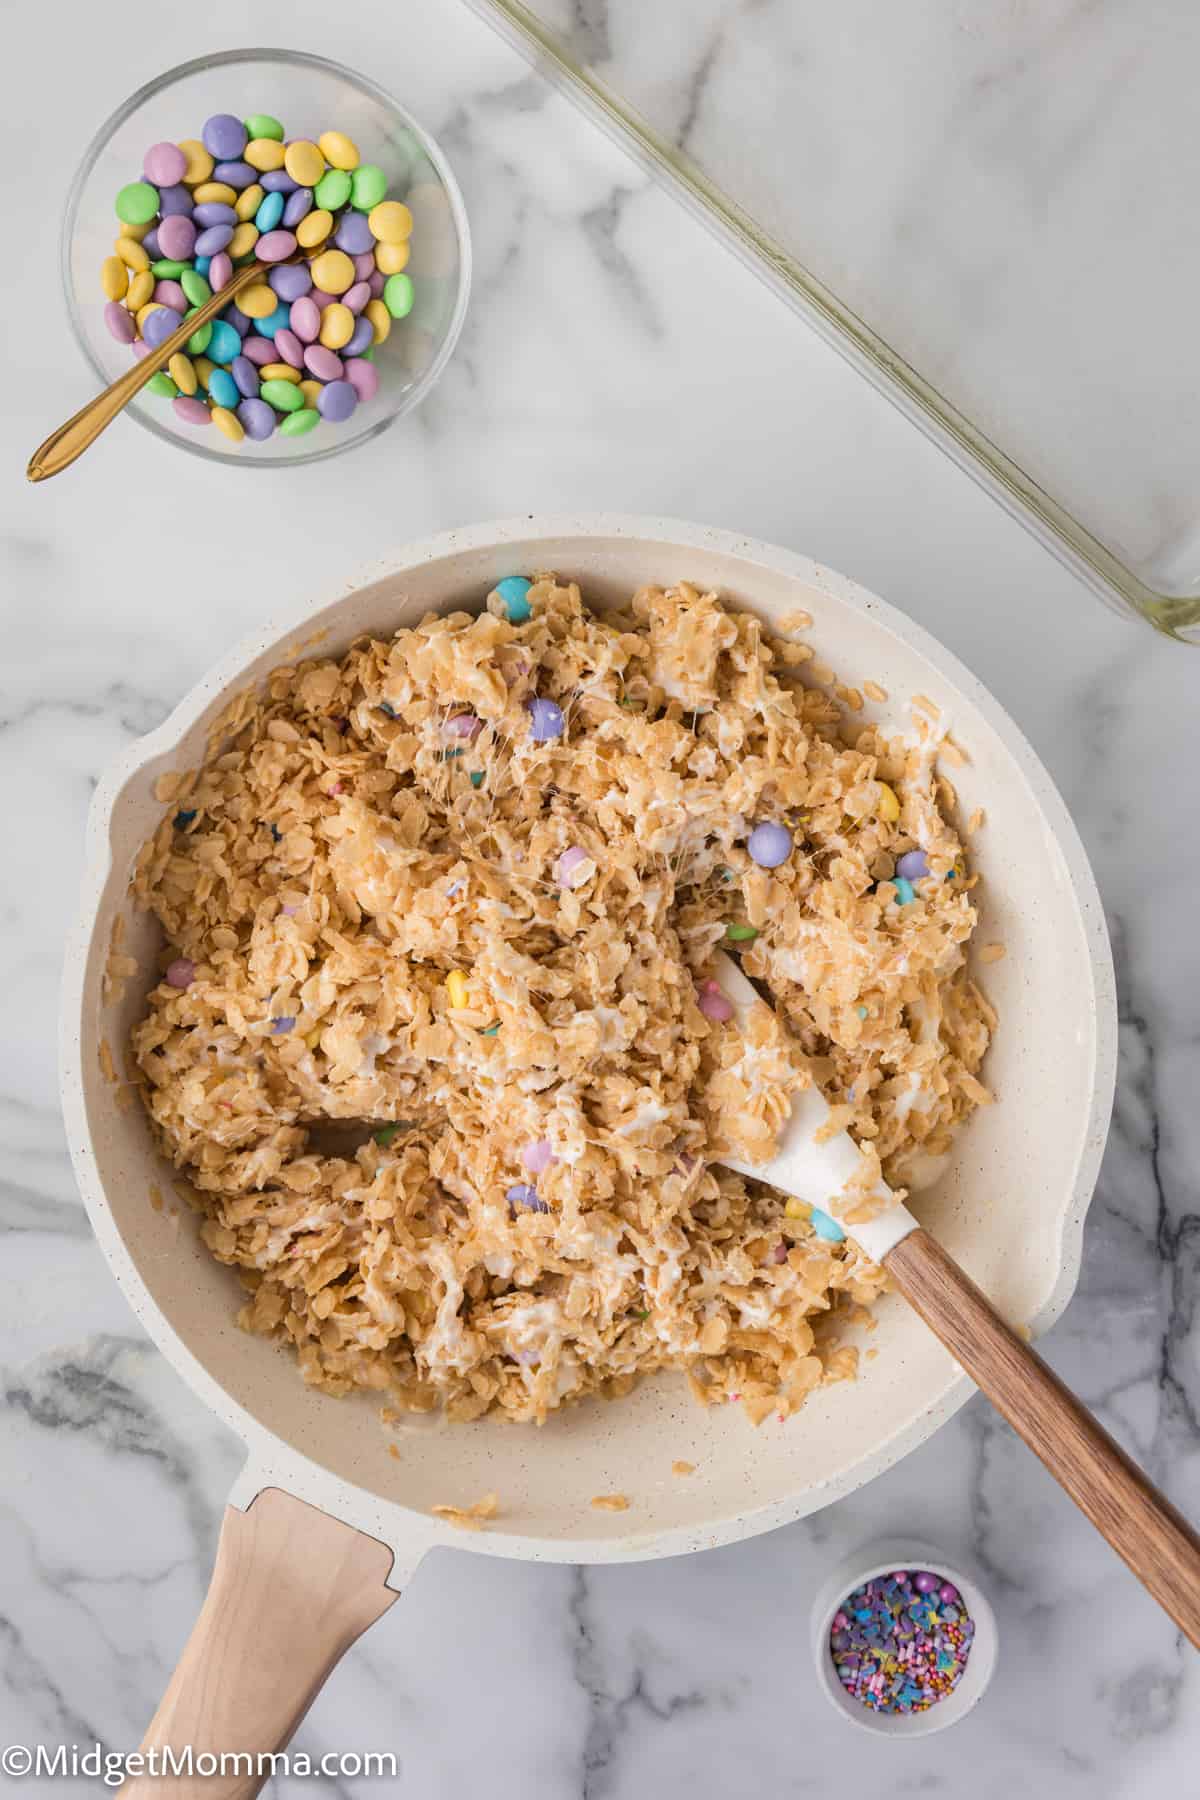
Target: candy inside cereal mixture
{"x":436,"y":1049}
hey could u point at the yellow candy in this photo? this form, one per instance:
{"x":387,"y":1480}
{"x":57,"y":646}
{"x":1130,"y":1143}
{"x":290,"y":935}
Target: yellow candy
{"x":797,"y":1209}
{"x":218,"y":191}
{"x":199,"y":162}
{"x":314,"y":228}
{"x":279,"y":371}
{"x":244,"y":238}
{"x":311,"y":391}
{"x":132,"y":254}
{"x":204,"y":367}
{"x":313,"y":1040}
{"x":151,"y":306}
{"x":391,"y":222}
{"x":258,"y":301}
{"x":182,"y":372}
{"x":339,"y":151}
{"x":456,"y":987}
{"x":134,"y":232}
{"x":392,"y":259}
{"x":248,"y":202}
{"x":889,"y":807}
{"x":114,"y":278}
{"x":304,"y":163}
{"x":141,"y":288}
{"x":229,"y":423}
{"x":337,"y":325}
{"x":264,"y":154}
{"x":380,"y":318}
{"x":333,"y":271}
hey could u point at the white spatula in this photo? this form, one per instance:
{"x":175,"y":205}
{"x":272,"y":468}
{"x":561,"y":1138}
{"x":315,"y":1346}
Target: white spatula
{"x":1142,"y":1526}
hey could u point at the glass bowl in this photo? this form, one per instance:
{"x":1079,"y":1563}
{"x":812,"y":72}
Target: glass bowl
{"x":310,"y":95}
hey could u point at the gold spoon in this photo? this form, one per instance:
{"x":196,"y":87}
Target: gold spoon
{"x":71,"y":440}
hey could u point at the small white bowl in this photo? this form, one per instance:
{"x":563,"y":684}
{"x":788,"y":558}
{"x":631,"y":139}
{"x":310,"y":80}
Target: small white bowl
{"x":880,"y":1559}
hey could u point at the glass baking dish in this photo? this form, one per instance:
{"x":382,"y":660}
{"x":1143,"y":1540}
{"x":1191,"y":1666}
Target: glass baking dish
{"x":988,"y":210}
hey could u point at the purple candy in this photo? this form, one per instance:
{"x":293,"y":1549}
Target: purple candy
{"x":191,"y":410}
{"x":278,"y":181}
{"x":259,"y":350}
{"x":290,"y":347}
{"x":257,"y":419}
{"x":360,"y":339}
{"x":913,"y":865}
{"x":160,"y":325}
{"x":377,"y":283}
{"x":325,"y":364}
{"x":235,"y":174}
{"x":305,"y":318}
{"x":121,"y":325}
{"x":353,"y":234}
{"x":246,"y":376}
{"x":217,"y":237}
{"x":364,"y":266}
{"x":169,"y":293}
{"x":233,"y":315}
{"x":174,"y":202}
{"x":214,"y":212}
{"x":181,"y":973}
{"x":291,"y":282}
{"x":298,"y":206}
{"x":769,"y":845}
{"x":463,"y":725}
{"x":164,"y":165}
{"x":224,"y":137}
{"x":521,"y":1194}
{"x":220,"y":272}
{"x":363,"y":378}
{"x":356,"y":297}
{"x":336,"y":401}
{"x":177,"y":237}
{"x":152,"y":245}
{"x":546,"y":720}
{"x":274,"y":246}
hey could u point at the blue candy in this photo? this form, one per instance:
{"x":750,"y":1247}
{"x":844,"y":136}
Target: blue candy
{"x":224,"y":343}
{"x":827,"y":1228}
{"x":270,"y":212}
{"x":905,"y":891}
{"x":274,"y":322}
{"x":513,"y":591}
{"x":223,"y":390}
{"x":200,"y":264}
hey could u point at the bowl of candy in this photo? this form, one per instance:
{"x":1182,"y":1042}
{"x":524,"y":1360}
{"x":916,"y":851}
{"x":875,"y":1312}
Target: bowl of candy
{"x":294,"y":161}
{"x":904,"y":1641}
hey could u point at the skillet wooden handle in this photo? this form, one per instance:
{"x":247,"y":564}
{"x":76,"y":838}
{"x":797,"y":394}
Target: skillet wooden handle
{"x":1141,"y":1525}
{"x":291,"y":1590}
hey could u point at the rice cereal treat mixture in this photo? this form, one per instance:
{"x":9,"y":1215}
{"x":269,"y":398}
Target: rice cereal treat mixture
{"x":436,"y":1050}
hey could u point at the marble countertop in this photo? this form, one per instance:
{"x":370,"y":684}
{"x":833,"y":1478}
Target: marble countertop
{"x":614,"y":358}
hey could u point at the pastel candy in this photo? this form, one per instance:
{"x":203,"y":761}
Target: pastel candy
{"x":164,"y":165}
{"x":174,"y":200}
{"x":246,"y":376}
{"x":258,"y":421}
{"x":305,"y":319}
{"x":224,"y":137}
{"x":191,"y":410}
{"x":291,"y":281}
{"x":275,"y":246}
{"x":363,"y":378}
{"x":119,"y":322}
{"x":337,"y":401}
{"x":289,"y":347}
{"x":325,"y":364}
{"x":216,"y":238}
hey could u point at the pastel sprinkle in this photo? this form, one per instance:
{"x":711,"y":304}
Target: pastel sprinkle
{"x":892,"y":1650}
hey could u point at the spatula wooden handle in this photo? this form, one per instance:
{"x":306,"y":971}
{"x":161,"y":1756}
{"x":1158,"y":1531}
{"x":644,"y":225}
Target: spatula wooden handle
{"x":291,"y":1590}
{"x":1141,"y":1525}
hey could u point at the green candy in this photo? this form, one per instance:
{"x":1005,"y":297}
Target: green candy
{"x":297,"y":423}
{"x":162,"y":384}
{"x":262,"y":125}
{"x":477,"y":781}
{"x":398,"y":296}
{"x":741,"y":934}
{"x":333,"y":189}
{"x":368,"y":186}
{"x":137,"y":203}
{"x":166,"y":270}
{"x":194,"y":286}
{"x":284,"y":396}
{"x":199,"y":341}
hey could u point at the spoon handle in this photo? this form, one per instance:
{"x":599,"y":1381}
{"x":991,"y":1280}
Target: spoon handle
{"x":71,"y":440}
{"x":1142,"y":1526}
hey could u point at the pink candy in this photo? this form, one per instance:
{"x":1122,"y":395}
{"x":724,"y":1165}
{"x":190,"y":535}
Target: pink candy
{"x":357,"y":296}
{"x":220,"y":272}
{"x":325,"y":364}
{"x":376,"y":284}
{"x":568,"y":862}
{"x":538,"y":1156}
{"x":363,"y":378}
{"x":164,"y":165}
{"x":191,"y":410}
{"x":290,"y":348}
{"x":305,"y":318}
{"x":364,"y":265}
{"x":119,"y":322}
{"x":463,"y":725}
{"x":714,"y":1004}
{"x":169,"y":293}
{"x":181,"y":973}
{"x":258,"y":349}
